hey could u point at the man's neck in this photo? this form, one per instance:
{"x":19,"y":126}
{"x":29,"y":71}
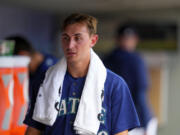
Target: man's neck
{"x":79,"y":69}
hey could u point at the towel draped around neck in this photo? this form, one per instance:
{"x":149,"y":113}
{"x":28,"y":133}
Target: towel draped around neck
{"x":90,"y":106}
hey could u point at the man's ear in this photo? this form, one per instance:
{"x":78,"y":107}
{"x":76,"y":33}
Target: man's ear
{"x":94,"y":39}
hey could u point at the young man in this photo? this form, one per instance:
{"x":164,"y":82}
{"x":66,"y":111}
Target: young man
{"x":118,"y":114}
{"x":127,"y":63}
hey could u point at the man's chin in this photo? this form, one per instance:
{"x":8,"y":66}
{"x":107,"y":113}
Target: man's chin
{"x":71,"y":59}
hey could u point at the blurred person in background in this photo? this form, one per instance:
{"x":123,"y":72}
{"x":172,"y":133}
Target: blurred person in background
{"x":39,"y":62}
{"x":126,"y":62}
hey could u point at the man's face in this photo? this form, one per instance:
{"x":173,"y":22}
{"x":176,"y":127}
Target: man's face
{"x":76,"y":42}
{"x":128,"y":42}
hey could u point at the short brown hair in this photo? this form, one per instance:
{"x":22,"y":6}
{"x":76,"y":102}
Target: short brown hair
{"x":90,"y":21}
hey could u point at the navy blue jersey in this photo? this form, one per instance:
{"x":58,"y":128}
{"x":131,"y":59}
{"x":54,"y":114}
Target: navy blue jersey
{"x":131,"y":67}
{"x":118,"y":111}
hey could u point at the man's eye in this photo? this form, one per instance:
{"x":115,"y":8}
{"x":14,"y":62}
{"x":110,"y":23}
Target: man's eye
{"x":77,"y":38}
{"x":65,"y":38}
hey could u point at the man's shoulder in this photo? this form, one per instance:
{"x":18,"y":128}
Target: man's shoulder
{"x":114,"y":79}
{"x":115,"y":86}
{"x":137,"y":57}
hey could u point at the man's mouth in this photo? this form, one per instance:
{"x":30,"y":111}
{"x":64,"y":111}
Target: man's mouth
{"x":71,"y":53}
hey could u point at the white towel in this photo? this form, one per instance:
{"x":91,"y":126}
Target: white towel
{"x":86,"y":122}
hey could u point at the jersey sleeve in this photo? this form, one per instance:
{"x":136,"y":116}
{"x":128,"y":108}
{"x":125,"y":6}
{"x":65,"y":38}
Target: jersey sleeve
{"x":124,"y":115}
{"x":34,"y":90}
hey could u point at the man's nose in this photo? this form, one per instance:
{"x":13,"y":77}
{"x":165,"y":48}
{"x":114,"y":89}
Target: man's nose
{"x":71,"y":44}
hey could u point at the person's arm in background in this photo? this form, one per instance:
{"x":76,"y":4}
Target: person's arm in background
{"x":123,"y":133}
{"x":141,"y":97}
{"x":32,"y":131}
